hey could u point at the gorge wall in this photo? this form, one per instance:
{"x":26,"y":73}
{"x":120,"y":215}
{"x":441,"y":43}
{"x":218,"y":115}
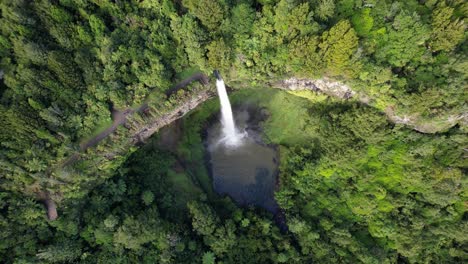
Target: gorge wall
{"x":343,"y":91}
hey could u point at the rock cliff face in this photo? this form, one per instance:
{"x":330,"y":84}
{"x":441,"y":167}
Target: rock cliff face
{"x":149,"y":129}
{"x":340,"y":90}
{"x":326,"y":86}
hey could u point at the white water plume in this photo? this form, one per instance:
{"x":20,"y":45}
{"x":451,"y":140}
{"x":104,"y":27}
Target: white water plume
{"x":231,"y":137}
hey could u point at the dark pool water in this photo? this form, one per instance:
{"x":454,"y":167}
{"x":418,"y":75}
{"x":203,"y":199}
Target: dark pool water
{"x":247,"y":173}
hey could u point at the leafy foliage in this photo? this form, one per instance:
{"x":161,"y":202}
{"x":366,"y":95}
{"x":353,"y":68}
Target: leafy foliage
{"x":353,"y":187}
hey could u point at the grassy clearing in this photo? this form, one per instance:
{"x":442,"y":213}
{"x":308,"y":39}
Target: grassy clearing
{"x":289,"y":122}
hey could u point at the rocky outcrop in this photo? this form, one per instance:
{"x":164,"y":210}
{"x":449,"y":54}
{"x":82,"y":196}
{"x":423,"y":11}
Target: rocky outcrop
{"x":427,"y":126}
{"x":149,"y":129}
{"x":326,"y":86}
{"x":343,"y":91}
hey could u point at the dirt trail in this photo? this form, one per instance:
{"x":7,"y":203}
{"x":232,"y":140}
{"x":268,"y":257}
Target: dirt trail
{"x":49,"y":204}
{"x":119,"y":117}
{"x":202,"y":78}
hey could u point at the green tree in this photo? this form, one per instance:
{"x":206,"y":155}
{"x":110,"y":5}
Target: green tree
{"x":219,"y":55}
{"x":404,"y":40}
{"x":208,"y":258}
{"x":291,"y":21}
{"x":191,"y":37}
{"x":210,"y":12}
{"x":304,"y":58}
{"x":337,"y":47}
{"x":204,"y":220}
{"x":447,"y":33}
{"x":242,"y":19}
{"x":325,"y":9}
{"x":97,"y":27}
{"x":66,"y":251}
{"x":134,"y":233}
{"x":363,"y":22}
{"x":224,"y":239}
{"x":147,"y":197}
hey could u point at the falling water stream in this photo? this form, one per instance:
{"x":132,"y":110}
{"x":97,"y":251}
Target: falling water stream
{"x":242,"y":166}
{"x":231,"y":136}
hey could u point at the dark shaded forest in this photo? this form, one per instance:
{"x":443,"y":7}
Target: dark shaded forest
{"x":353,"y":185}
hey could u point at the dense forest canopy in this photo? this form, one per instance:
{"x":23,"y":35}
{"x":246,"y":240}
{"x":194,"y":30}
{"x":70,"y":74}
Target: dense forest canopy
{"x":353,"y":186}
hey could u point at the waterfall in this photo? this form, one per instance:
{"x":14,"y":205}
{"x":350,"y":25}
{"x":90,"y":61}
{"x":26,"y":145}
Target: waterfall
{"x":231,"y":136}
